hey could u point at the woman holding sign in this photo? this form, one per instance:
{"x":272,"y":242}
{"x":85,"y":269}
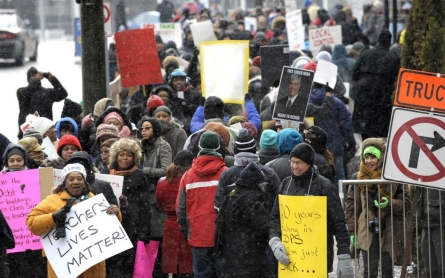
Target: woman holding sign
{"x":52,"y":211}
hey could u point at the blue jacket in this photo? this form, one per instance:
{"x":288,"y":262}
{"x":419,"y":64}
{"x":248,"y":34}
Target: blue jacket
{"x":252,"y":116}
{"x":338,"y":125}
{"x":343,"y":62}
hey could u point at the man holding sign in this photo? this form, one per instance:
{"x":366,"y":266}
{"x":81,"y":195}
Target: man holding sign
{"x":305,"y":181}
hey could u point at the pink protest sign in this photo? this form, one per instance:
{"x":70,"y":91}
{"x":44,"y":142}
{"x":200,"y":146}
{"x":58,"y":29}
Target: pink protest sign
{"x":19,"y":193}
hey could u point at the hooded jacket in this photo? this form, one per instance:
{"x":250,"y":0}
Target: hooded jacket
{"x":194,"y":204}
{"x":343,"y":62}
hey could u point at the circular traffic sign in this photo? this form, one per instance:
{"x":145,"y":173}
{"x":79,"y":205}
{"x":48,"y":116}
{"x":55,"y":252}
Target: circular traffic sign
{"x":107,"y":14}
{"x":407,"y":127}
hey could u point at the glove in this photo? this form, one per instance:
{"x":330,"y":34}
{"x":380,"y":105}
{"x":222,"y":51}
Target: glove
{"x":354,"y":241}
{"x":279,"y":251}
{"x":60,"y":216}
{"x":383,"y":204}
{"x":344,"y":268}
{"x":87,"y":121}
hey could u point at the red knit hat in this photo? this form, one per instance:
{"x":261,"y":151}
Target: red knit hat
{"x":153,"y":102}
{"x":68,"y":140}
{"x":310,"y":66}
{"x":256,"y":61}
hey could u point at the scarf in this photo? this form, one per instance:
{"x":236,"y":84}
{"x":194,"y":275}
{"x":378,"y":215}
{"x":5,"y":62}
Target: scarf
{"x":114,"y":171}
{"x":367,"y":174}
{"x":244,"y":158}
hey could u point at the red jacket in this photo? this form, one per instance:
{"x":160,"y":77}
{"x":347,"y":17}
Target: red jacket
{"x":195,"y":200}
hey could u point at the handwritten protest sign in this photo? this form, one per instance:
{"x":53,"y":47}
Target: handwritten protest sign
{"x":229,"y":82}
{"x":19,"y":193}
{"x":326,"y":73}
{"x":116,"y":182}
{"x":91,"y":237}
{"x":330,"y":35}
{"x":137,"y":57}
{"x":303,"y":221}
{"x":168,"y":32}
{"x":295,"y":30}
{"x":250,"y":23}
{"x":290,"y":6}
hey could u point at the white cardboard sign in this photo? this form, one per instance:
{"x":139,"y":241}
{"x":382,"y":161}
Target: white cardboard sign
{"x":250,"y":23}
{"x":330,"y":35}
{"x":50,"y":150}
{"x":295,"y":30}
{"x":202,"y":32}
{"x":168,"y":32}
{"x":326,"y":73}
{"x":290,"y":6}
{"x":91,"y":237}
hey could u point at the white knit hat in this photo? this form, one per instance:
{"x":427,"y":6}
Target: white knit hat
{"x":41,"y":124}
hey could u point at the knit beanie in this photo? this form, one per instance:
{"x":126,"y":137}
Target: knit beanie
{"x":324,"y":55}
{"x":114,"y":115}
{"x":244,"y":142}
{"x":108,"y":131}
{"x":256,"y":61}
{"x":170,"y":61}
{"x":75,"y":167}
{"x":64,"y":121}
{"x":71,"y":109}
{"x":304,"y":152}
{"x":41,"y":124}
{"x":221,"y":130}
{"x":251,"y":128}
{"x":268,"y":140}
{"x":287,"y":139}
{"x":252,"y":174}
{"x":213,"y":108}
{"x":30,"y":144}
{"x":17,"y":149}
{"x":177,"y":73}
{"x":163,"y":109}
{"x":310,"y":66}
{"x":153,"y":102}
{"x":31,"y":72}
{"x":32,"y":132}
{"x":209,"y":144}
{"x":316,"y":137}
{"x":184,"y":158}
{"x":384,"y":38}
{"x":68,"y":140}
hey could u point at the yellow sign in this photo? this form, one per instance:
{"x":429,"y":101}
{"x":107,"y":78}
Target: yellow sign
{"x":304,"y":234}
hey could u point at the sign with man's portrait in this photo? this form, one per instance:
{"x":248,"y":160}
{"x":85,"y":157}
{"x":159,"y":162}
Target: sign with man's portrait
{"x":293,"y":94}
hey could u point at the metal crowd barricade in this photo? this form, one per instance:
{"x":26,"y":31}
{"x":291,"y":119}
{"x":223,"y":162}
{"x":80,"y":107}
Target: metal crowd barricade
{"x":416,"y":266}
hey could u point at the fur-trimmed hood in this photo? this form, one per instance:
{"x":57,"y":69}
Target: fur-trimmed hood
{"x":377,"y":143}
{"x":129,"y":145}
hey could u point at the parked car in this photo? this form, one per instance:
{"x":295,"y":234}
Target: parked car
{"x":17,"y":40}
{"x":140,"y":19}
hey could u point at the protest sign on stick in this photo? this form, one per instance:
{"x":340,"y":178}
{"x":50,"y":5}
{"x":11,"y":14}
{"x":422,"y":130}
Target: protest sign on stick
{"x":303,"y":219}
{"x":295,"y":30}
{"x":250,"y":23}
{"x":92,"y":236}
{"x":273,"y":59}
{"x":202,"y":32}
{"x":330,"y":35}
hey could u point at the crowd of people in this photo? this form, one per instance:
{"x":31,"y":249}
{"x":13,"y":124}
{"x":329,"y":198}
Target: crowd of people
{"x":202,"y":176}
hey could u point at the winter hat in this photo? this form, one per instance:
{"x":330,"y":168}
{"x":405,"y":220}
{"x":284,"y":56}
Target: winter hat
{"x":184,"y":158}
{"x":102,"y":105}
{"x":42,"y":124}
{"x":68,"y":140}
{"x":31,"y":72}
{"x":31,"y":144}
{"x":157,"y":127}
{"x":251,"y":128}
{"x":300,"y":62}
{"x":304,"y":152}
{"x":153,"y":102}
{"x":114,"y":115}
{"x":177,"y":73}
{"x":104,"y":130}
{"x":165,"y":88}
{"x":237,"y":119}
{"x":307,"y":3}
{"x":163,"y":109}
{"x":256,"y":61}
{"x":310,"y":66}
{"x":62,"y":122}
{"x":32,"y":132}
{"x":324,"y":55}
{"x":244,"y":142}
{"x":316,"y":137}
{"x":221,"y":130}
{"x":213,"y":108}
{"x":287,"y":139}
{"x":11,"y":150}
{"x":384,"y":38}
{"x":109,"y":142}
{"x":260,"y":36}
{"x":170,"y":61}
{"x":277,"y":32}
{"x":268,"y":140}
{"x":159,"y":39}
{"x":252,"y":174}
{"x":75,"y":167}
{"x":71,"y":109}
{"x":326,"y":48}
{"x":209,"y":144}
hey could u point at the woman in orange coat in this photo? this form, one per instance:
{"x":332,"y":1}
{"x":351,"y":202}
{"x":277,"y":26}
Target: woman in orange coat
{"x":49,"y":212}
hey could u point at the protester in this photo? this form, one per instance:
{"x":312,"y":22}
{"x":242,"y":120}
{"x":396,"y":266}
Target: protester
{"x":32,"y":132}
{"x":177,"y":106}
{"x":67,"y":145}
{"x":72,"y":110}
{"x":44,"y":126}
{"x":116,"y":117}
{"x":66,"y":126}
{"x":172,"y":133}
{"x":177,"y":254}
{"x":7,"y":241}
{"x":134,"y":203}
{"x":33,"y":150}
{"x":52,"y":211}
{"x":104,"y":160}
{"x":196,"y":203}
{"x":375,"y":213}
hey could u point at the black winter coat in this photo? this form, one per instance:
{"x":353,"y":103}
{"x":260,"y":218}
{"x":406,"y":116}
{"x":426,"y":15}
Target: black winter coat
{"x":299,"y":186}
{"x":374,"y":78}
{"x":281,"y":166}
{"x":241,"y":238}
{"x":431,"y":208}
{"x":100,"y":186}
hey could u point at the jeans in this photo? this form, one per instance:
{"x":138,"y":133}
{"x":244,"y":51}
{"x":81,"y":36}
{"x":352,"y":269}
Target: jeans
{"x":205,"y":262}
{"x":374,"y":254}
{"x":432,"y":247}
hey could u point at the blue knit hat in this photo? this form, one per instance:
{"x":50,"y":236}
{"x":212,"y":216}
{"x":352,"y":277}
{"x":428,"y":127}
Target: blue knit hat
{"x":66,"y":119}
{"x":268,"y":140}
{"x":287,"y":139}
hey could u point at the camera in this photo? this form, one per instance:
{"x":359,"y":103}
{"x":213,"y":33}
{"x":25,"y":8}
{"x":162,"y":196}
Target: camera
{"x":46,"y":74}
{"x":376,"y":226}
{"x":60,"y":228}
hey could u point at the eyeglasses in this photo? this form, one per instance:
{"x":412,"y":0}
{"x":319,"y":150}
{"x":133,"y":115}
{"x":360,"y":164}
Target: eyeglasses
{"x":146,"y":128}
{"x":105,"y":152}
